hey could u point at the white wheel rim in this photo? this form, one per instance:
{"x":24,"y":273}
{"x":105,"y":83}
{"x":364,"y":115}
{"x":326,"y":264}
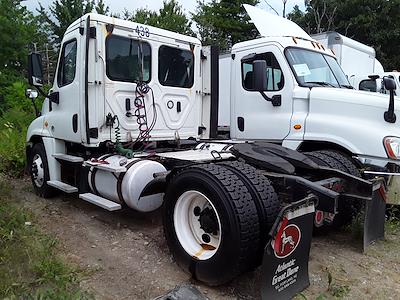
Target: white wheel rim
{"x":188,"y":227}
{"x":37,"y":170}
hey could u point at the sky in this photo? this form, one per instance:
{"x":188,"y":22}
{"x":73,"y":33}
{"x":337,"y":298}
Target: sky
{"x":188,"y":5}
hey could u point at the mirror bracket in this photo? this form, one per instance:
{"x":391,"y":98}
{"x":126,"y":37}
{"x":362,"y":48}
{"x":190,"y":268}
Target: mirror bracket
{"x":54,"y":97}
{"x":276,"y":100}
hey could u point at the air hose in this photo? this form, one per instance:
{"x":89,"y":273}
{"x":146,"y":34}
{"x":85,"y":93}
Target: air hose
{"x":118,"y":146}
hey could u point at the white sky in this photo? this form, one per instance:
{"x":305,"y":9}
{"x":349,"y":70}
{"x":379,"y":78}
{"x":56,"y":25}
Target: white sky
{"x":188,"y":5}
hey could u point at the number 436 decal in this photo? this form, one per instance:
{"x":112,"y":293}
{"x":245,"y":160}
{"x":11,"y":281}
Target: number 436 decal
{"x":142,"y":31}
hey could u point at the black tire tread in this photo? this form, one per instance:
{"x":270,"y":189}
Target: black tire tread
{"x":346,"y":161}
{"x":263,"y":188}
{"x":336,"y":160}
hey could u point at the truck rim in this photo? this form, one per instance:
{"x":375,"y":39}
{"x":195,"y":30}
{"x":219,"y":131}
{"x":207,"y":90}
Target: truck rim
{"x":197,"y":225}
{"x":37,"y":170}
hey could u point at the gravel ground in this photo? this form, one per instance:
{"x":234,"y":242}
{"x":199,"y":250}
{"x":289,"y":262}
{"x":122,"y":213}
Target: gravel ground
{"x":127,"y":257}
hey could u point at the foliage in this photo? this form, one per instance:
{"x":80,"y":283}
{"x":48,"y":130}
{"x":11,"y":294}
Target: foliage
{"x":373,"y":22}
{"x":13,"y":129}
{"x":62,"y":14}
{"x":171,"y":17}
{"x":101,"y":8}
{"x":29,"y":267}
{"x":17,"y":31}
{"x":224,"y":22}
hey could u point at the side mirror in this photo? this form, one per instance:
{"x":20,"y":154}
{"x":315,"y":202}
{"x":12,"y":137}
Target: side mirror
{"x":259,"y":75}
{"x":31,"y":94}
{"x":35,"y":70}
{"x":389,"y":83}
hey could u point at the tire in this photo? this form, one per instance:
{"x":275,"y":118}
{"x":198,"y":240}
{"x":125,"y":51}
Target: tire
{"x":238,"y":227}
{"x":347,"y":210}
{"x":264,"y":196}
{"x":39,"y":171}
{"x":344,"y":160}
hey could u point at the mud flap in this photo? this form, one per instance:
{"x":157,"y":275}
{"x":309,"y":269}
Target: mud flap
{"x":285,"y":262}
{"x":374,"y":220}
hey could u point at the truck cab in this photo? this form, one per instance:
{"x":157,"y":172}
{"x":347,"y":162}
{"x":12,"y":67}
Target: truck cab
{"x":315,"y":107}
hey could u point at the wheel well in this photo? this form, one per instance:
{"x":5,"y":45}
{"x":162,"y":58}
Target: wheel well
{"x":308,"y":146}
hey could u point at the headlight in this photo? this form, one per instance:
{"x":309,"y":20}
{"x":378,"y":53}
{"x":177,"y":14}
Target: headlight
{"x":392,"y":147}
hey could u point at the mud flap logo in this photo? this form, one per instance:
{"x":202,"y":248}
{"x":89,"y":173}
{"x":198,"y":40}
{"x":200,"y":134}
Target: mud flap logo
{"x":285,"y":263}
{"x":287,"y":239}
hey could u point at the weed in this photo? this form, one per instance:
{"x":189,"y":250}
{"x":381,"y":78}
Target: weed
{"x":29,"y":266}
{"x":335,"y":289}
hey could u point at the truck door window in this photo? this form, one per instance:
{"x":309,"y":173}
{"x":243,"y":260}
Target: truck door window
{"x":368,"y":85}
{"x":127,"y":59}
{"x":67,"y":68}
{"x":175,"y":67}
{"x":275,"y":79}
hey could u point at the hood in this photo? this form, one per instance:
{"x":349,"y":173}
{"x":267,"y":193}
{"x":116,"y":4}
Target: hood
{"x":270,"y":25}
{"x":351,"y":119}
{"x":354,"y":97}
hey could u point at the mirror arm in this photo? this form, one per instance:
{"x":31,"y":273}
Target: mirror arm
{"x":41,"y":92}
{"x":276,"y":100}
{"x":37,"y":112}
{"x":389,"y":115}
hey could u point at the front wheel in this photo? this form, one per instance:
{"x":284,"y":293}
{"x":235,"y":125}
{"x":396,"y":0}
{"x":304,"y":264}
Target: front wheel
{"x":211,"y":223}
{"x":39,"y":171}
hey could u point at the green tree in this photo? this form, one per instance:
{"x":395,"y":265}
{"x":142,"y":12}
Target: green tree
{"x":374,"y":22}
{"x":171,"y":17}
{"x":102,"y":8}
{"x":18,"y":30}
{"x":62,"y":14}
{"x":224,"y":22}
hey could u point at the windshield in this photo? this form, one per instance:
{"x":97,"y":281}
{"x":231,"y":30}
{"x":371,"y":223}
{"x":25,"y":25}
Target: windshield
{"x":315,"y":69}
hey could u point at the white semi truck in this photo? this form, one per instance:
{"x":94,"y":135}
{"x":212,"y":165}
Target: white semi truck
{"x":131,"y":121}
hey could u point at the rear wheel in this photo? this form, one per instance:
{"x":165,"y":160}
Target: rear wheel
{"x":210,"y":223}
{"x":39,"y":171}
{"x":347,"y":210}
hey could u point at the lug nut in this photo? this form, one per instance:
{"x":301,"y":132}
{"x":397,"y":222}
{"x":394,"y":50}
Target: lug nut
{"x":206,"y":238}
{"x":197,"y":211}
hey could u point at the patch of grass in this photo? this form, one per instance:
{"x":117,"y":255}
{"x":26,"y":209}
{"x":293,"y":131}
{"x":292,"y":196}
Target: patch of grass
{"x":335,"y":289}
{"x":392,"y":225}
{"x":29,"y":266}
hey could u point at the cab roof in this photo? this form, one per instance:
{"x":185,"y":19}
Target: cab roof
{"x":129,"y":25}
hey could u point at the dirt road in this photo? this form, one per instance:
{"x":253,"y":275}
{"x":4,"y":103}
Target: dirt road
{"x":127,"y":256}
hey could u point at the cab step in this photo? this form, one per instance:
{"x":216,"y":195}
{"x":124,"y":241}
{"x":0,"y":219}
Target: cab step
{"x":67,"y":157}
{"x":100,"y":201}
{"x":62,"y":186}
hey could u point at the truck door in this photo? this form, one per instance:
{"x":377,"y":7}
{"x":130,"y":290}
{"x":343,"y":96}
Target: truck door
{"x":63,"y":117}
{"x":252,"y":116}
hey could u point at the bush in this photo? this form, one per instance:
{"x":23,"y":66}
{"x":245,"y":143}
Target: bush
{"x":16,"y":114}
{"x":13,"y":129}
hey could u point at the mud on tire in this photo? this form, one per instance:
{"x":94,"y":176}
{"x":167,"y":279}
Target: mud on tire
{"x":238,"y":218}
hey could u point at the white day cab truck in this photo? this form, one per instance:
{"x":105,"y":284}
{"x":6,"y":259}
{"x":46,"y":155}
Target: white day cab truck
{"x":131,"y":122}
